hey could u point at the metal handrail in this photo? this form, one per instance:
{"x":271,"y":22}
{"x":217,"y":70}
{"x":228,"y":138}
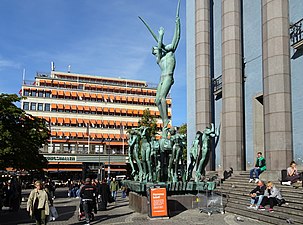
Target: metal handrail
{"x":296,"y":32}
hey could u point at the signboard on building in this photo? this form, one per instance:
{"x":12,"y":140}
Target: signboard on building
{"x":60,"y":158}
{"x":158,"y":202}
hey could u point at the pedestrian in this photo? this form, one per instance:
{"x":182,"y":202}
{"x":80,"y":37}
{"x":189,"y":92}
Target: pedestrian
{"x":272,"y":196}
{"x":114,"y":186}
{"x":256,"y":195}
{"x":38,"y":204}
{"x":260,"y":167}
{"x":88,"y":199}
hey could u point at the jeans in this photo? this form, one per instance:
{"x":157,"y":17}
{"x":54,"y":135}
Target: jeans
{"x":257,"y":199}
{"x":114,"y":194}
{"x":256,"y":171}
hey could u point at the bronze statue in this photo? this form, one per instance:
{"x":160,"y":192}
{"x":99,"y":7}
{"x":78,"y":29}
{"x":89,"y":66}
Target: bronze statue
{"x":207,"y":134}
{"x":165,"y":55}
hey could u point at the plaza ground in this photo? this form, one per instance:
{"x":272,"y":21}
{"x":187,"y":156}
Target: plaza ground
{"x":118,"y":214}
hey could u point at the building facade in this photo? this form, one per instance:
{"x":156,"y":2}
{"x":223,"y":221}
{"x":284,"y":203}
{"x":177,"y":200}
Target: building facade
{"x":257,"y":67}
{"x":88,"y":118}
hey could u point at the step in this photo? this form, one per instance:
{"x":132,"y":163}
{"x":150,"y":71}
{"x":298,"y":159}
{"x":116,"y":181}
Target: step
{"x":285,"y":193}
{"x":253,"y":215}
{"x":276,"y":214}
{"x":289,"y":199}
{"x":289,"y":209}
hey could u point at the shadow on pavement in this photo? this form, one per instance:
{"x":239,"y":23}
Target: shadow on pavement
{"x":102,"y":218}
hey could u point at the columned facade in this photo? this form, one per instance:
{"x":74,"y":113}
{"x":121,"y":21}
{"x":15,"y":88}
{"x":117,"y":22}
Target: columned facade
{"x":277,"y":84}
{"x":232,"y":143}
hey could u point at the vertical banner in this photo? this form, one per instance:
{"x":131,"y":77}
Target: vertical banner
{"x":158,"y":202}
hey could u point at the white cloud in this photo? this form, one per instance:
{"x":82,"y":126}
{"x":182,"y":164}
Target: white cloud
{"x":5,"y":63}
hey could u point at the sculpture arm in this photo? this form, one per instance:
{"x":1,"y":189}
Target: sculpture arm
{"x":176,"y":37}
{"x":160,"y":42}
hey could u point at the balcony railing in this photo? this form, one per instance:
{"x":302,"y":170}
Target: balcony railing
{"x":296,"y":34}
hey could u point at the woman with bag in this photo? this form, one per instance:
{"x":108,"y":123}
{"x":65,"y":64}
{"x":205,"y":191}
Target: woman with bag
{"x":38,"y":204}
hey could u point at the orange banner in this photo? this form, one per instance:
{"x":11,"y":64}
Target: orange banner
{"x":158,"y":201}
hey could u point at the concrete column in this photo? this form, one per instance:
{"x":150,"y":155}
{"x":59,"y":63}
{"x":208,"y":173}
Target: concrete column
{"x":202,"y":46}
{"x":258,"y":126}
{"x":276,"y":84}
{"x":232,"y":96}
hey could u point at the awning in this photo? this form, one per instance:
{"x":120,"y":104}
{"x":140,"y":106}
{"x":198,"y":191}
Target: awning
{"x":67,"y":107}
{"x":54,"y":92}
{"x":54,"y":106}
{"x":73,"y":134}
{"x":99,"y":96}
{"x":67,"y":93}
{"x":59,"y":106}
{"x":80,"y":120}
{"x":105,"y":122}
{"x":86,"y":108}
{"x":66,"y":120}
{"x":60,"y":120}
{"x":74,"y":107}
{"x":112,"y":123}
{"x":112,"y":110}
{"x":80,"y":107}
{"x":118,"y":110}
{"x":99,"y":109}
{"x":87,"y":95}
{"x":105,"y":109}
{"x":66,"y":134}
{"x":74,"y":94}
{"x":53,"y":120}
{"x":73,"y":121}
{"x":118,"y":98}
{"x":80,"y":94}
{"x":99,"y":122}
{"x":80,"y":134}
{"x":60,"y":93}
{"x":112,"y":136}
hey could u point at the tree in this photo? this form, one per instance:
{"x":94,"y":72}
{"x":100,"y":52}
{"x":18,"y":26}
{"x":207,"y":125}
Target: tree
{"x":21,"y":136}
{"x":148,"y":120}
{"x":183,"y":130}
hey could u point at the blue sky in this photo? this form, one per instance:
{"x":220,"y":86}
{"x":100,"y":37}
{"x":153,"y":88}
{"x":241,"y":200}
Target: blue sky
{"x":95,"y":37}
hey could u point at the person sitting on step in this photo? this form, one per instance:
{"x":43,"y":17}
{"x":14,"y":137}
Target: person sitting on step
{"x":260,"y":167}
{"x":272,"y":196}
{"x":256,"y":195}
{"x":292,"y":174}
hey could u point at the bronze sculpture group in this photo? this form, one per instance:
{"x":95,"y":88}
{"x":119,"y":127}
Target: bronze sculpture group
{"x":163,"y":160}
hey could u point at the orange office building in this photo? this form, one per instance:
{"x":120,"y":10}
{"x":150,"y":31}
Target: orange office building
{"x":88,"y":117}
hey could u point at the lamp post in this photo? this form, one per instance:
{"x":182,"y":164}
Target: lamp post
{"x":108,"y":169}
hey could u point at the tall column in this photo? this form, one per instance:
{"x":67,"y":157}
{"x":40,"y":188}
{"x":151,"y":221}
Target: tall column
{"x":276,"y":84}
{"x":232,"y":144}
{"x":202,"y":42}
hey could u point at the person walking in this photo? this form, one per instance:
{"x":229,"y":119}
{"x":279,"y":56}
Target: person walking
{"x":88,"y":199}
{"x":256,"y":195}
{"x":38,"y":204}
{"x":114,"y":185}
{"x":259,"y":168}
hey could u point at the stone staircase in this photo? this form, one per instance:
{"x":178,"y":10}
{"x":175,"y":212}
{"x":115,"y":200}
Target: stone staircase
{"x":236,"y":189}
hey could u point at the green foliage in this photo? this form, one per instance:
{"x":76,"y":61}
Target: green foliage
{"x":183,"y":130}
{"x":148,"y":120}
{"x":21,"y":136}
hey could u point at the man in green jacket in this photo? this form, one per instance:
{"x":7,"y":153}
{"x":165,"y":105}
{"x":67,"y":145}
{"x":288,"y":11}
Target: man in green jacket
{"x":260,"y":166}
{"x":114,"y":186}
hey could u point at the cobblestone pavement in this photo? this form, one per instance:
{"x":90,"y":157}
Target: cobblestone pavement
{"x":118,"y":213}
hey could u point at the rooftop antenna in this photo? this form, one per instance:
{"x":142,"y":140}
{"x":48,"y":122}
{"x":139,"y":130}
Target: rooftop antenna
{"x":23,"y":76}
{"x":52,"y":66}
{"x":68,"y":68}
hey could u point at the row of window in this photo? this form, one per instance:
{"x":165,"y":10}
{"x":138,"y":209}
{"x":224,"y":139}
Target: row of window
{"x":33,"y":106}
{"x":94,"y":98}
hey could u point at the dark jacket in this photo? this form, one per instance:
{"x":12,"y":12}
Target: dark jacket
{"x":104,"y":192}
{"x":259,"y":190}
{"x":88,"y":191}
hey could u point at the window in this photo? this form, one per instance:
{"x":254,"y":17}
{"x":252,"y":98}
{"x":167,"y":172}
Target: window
{"x":33,"y":106}
{"x":47,"y":94}
{"x":40,"y":94}
{"x":26,"y":93}
{"x":47,"y":107}
{"x":40,"y":106}
{"x":25,"y":106}
{"x":34,"y":93}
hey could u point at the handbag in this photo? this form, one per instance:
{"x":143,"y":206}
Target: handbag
{"x":54,"y":213}
{"x":280,"y":201}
